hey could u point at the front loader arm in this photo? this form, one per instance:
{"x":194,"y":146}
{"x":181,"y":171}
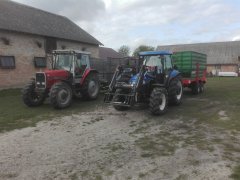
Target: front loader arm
{"x":113,"y":81}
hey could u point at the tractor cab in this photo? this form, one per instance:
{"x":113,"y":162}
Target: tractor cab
{"x":71,"y":75}
{"x":157,"y":65}
{"x":75,"y":62}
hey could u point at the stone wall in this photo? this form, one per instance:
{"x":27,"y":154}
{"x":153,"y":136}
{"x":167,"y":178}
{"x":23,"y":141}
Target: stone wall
{"x":24,"y":48}
{"x":94,"y":49}
{"x":222,"y":68}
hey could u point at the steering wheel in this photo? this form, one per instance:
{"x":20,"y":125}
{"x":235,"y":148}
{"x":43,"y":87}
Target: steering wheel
{"x":150,"y":68}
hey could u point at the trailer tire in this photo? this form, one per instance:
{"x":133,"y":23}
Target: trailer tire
{"x":195,"y":88}
{"x":201,"y":87}
{"x":118,"y":98}
{"x":61,"y":95}
{"x":175,"y":92}
{"x":30,"y":97}
{"x":158,"y":101}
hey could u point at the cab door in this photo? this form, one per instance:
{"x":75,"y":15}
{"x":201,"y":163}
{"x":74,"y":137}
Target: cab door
{"x":81,"y":65}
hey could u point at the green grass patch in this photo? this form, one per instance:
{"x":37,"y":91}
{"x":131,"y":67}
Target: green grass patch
{"x":160,"y":144}
{"x":14,"y":114}
{"x":236,"y":173}
{"x":221,"y":94}
{"x":113,"y":147}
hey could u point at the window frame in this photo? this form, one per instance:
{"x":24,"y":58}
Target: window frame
{"x":8,"y":67}
{"x":35,"y":62}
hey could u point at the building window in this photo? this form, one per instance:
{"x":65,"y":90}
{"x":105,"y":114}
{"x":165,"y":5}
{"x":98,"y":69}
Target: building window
{"x":51,"y":44}
{"x":40,"y":62}
{"x":7,"y":62}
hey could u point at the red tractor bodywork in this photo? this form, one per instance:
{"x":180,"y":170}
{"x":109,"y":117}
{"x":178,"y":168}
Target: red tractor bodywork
{"x":71,"y":75}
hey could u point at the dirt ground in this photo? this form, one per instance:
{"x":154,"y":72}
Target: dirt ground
{"x":107,"y":144}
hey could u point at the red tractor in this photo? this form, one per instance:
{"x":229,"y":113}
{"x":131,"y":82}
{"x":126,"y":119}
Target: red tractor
{"x":71,"y":75}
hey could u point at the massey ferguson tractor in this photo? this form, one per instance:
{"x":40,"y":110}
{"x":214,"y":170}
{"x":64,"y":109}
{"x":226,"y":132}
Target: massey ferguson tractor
{"x":71,"y":75}
{"x":158,"y":84}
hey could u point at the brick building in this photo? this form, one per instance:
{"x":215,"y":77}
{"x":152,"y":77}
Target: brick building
{"x":221,"y":56}
{"x":28,"y":36}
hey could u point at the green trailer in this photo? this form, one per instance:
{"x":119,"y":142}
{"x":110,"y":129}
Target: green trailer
{"x":192,"y":66}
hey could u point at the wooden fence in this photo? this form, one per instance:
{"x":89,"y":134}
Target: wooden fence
{"x":107,"y":67}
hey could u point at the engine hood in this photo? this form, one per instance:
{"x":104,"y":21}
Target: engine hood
{"x":57,"y":74}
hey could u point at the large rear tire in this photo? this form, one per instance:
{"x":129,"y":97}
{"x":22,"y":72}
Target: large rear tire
{"x":158,"y":101}
{"x":61,"y":95}
{"x":117,"y":98}
{"x":30,"y":97}
{"x":91,"y":87}
{"x":175,"y":92}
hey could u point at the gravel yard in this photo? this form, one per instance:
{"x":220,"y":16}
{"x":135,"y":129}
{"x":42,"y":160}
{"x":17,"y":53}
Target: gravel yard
{"x":107,"y":144}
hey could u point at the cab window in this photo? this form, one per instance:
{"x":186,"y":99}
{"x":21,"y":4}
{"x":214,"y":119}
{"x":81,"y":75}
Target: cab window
{"x":168,"y":62}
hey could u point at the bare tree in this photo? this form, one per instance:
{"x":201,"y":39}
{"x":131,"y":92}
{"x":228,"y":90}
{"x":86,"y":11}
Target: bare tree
{"x":124,"y":50}
{"x":142,"y":48}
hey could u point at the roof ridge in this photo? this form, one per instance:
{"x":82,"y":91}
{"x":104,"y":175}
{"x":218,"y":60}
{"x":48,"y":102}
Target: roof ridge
{"x":15,"y":16}
{"x":199,"y":43}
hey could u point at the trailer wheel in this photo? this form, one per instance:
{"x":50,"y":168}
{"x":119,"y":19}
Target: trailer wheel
{"x":30,"y":97}
{"x":175,"y":92}
{"x":61,"y":95}
{"x":196,"y":88}
{"x":117,"y":98}
{"x":201,"y":87}
{"x":158,"y":101}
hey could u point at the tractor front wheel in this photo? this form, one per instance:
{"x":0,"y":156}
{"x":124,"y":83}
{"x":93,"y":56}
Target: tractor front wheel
{"x":91,"y":87}
{"x":119,"y":99}
{"x":175,"y":92}
{"x":30,"y":97}
{"x":158,"y":101}
{"x":61,"y":95}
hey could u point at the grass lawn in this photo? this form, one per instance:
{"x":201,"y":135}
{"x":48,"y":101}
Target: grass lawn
{"x":218,"y":105}
{"x":221,"y":94}
{"x":14,"y":114}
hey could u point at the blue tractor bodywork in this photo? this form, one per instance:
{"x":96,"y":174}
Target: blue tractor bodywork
{"x":129,"y":87}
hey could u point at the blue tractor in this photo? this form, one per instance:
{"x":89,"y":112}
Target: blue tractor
{"x":157,"y":83}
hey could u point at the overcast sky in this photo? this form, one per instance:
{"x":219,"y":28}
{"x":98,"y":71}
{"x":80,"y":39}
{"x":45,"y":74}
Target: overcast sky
{"x":150,"y":22}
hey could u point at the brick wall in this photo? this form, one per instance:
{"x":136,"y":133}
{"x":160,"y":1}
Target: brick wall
{"x":94,"y":49}
{"x":25,"y":47}
{"x":222,"y":68}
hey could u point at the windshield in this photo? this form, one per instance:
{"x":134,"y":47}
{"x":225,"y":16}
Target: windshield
{"x":63,"y":61}
{"x":152,"y":61}
{"x":159,"y":61}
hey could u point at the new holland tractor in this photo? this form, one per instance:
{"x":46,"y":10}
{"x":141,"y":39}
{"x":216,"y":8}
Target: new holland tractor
{"x":71,"y":75}
{"x":158,"y":83}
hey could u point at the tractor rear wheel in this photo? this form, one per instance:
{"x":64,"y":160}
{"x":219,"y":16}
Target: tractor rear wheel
{"x":158,"y":101}
{"x":117,"y":98}
{"x":175,"y":92}
{"x":30,"y":97}
{"x":91,"y":87}
{"x":61,"y":95}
